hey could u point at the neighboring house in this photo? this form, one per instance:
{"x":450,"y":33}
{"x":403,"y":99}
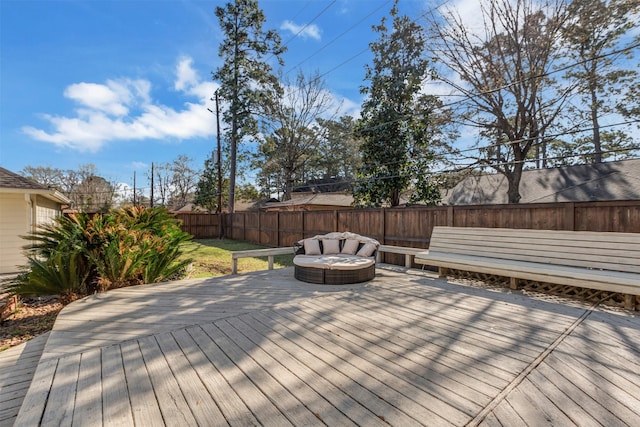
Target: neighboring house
{"x":316,"y":195}
{"x":312,"y":202}
{"x":239,"y":206}
{"x":581,"y":183}
{"x":24,"y":205}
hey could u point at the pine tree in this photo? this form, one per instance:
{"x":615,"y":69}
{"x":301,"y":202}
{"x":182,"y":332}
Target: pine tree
{"x":245,"y":75}
{"x":597,"y":27}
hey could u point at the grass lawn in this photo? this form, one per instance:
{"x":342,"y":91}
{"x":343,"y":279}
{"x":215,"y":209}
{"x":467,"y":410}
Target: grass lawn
{"x":212,"y":257}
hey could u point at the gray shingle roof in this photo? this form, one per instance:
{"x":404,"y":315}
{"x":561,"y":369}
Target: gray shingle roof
{"x":9,"y":179}
{"x":604,"y":181}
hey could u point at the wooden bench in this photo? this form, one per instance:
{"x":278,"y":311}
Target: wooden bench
{"x":595,"y":260}
{"x":270,"y":253}
{"x":409,"y":253}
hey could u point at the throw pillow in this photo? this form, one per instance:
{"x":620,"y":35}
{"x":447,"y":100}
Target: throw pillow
{"x":312,"y":247}
{"x":350,"y":247}
{"x":330,"y":246}
{"x":367,"y":250}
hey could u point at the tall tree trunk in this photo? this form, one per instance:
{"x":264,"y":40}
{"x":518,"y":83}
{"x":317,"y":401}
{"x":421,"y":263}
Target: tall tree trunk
{"x":395,"y":197}
{"x":513,"y":179}
{"x":232,"y":171}
{"x":597,"y":145}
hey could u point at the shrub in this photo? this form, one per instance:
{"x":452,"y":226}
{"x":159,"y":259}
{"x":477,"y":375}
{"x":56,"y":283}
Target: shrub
{"x":78,"y":255}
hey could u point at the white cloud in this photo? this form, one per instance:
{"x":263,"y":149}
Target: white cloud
{"x":471,"y":14}
{"x":139,"y":165}
{"x":309,"y":31}
{"x":98,"y":97}
{"x":186,"y":75}
{"x":122,"y":110}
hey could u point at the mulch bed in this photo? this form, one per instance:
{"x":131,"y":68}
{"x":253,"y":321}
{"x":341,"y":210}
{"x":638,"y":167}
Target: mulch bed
{"x":31,"y":318}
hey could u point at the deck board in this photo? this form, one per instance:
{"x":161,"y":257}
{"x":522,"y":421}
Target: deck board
{"x":233,"y":409}
{"x":406,"y":349}
{"x":17,"y":368}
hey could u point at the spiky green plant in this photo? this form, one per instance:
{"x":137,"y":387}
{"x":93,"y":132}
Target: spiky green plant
{"x":164,"y":264}
{"x":81,"y":254}
{"x":62,"y":273}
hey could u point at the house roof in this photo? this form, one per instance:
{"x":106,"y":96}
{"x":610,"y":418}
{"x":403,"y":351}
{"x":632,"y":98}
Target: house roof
{"x":315,"y":199}
{"x":11,"y":182}
{"x":325,"y":185}
{"x":602,"y":181}
{"x":239,"y":206}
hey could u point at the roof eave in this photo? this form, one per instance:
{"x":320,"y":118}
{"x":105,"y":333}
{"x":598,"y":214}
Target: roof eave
{"x":54,"y":195}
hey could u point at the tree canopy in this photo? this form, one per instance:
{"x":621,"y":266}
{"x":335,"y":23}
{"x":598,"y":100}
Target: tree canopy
{"x":396,"y":117}
{"x":246,"y":78}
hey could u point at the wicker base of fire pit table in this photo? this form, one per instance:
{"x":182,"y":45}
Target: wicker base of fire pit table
{"x":323,"y":276}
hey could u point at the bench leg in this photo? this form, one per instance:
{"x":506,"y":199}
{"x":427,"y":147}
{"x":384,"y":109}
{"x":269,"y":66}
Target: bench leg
{"x":442,"y":272}
{"x":514,"y":283}
{"x":630,"y":302}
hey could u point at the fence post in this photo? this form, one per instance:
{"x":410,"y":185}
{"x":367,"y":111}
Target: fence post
{"x":450,"y":216}
{"x":278,"y":229}
{"x":383,"y":212}
{"x":570,"y":216}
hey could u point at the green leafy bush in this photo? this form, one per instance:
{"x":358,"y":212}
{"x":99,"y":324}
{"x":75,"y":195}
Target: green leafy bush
{"x":82,"y":254}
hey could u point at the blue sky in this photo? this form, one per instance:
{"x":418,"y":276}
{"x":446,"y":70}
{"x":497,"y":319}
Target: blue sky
{"x":121,"y":84}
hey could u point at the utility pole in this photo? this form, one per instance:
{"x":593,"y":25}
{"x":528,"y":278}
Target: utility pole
{"x":151,"y":200}
{"x":134,"y":188}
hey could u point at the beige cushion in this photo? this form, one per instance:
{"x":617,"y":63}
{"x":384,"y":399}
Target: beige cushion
{"x":312,"y":247}
{"x":330,"y":246}
{"x":350,"y":247}
{"x":367,"y":250}
{"x":333,"y":262}
{"x":351,"y":262}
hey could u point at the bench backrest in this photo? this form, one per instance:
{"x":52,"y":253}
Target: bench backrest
{"x":597,"y":250}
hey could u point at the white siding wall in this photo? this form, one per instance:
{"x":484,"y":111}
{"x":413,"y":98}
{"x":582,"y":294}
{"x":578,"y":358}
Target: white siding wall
{"x":14,"y":222}
{"x":46,"y":211}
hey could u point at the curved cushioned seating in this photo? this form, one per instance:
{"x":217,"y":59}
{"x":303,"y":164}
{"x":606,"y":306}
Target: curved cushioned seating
{"x":334,"y":262}
{"x":336,"y":268}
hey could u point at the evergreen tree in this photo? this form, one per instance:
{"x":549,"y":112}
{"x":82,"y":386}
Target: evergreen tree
{"x":596,"y":28}
{"x":245,"y":75}
{"x":340,"y":154}
{"x":395,"y":122}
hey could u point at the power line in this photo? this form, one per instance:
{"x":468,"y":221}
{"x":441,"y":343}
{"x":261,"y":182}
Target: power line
{"x":310,"y":22}
{"x":339,"y":36}
{"x":537,"y":76}
{"x":528,"y":160}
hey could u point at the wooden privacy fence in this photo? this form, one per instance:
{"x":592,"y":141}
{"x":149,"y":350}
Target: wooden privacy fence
{"x":411,"y":227}
{"x":200,"y":225}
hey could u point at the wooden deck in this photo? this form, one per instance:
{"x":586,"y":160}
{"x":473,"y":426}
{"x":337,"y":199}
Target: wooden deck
{"x":405,"y":349}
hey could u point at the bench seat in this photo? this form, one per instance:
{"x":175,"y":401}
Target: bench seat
{"x":605,"y":280}
{"x":602,"y":261}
